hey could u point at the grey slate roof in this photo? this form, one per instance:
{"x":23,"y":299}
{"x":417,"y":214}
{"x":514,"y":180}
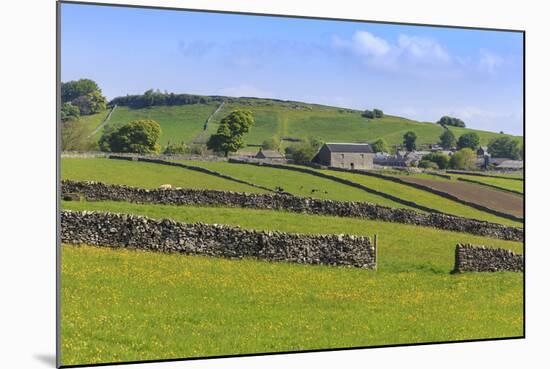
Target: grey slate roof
{"x":349,"y":147}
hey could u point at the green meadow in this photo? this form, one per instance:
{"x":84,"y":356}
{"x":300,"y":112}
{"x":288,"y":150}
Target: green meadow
{"x":506,"y":184}
{"x":124,"y":305}
{"x":144,"y":175}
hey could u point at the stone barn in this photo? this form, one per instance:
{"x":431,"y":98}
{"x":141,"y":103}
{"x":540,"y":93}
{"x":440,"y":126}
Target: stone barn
{"x":345,"y":155}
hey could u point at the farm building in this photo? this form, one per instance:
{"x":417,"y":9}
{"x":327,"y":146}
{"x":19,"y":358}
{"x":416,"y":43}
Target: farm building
{"x":345,"y":155}
{"x":268,"y":154}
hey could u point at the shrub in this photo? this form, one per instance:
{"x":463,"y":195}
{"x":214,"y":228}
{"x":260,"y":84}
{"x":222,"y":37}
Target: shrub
{"x":172,"y":149}
{"x":380,"y":145}
{"x":378,"y":113}
{"x":463,"y":159}
{"x":427,"y":164}
{"x":69,"y":112}
{"x":138,"y":136}
{"x":440,"y":159}
{"x":271,"y":144}
{"x":368,"y":114}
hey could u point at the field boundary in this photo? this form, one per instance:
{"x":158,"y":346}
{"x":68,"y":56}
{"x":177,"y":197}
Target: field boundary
{"x":489,"y":185}
{"x":139,"y":232}
{"x":434,"y":191}
{"x":340,"y":180}
{"x":190,"y":167}
{"x":97,"y":191}
{"x":465,"y":172}
{"x":104,"y":123}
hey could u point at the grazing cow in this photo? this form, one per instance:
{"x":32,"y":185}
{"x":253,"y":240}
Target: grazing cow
{"x":165,"y":187}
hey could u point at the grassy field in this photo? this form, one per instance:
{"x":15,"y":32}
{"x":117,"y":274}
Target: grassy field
{"x":178,"y":123}
{"x":144,"y":175}
{"x":331,"y":124}
{"x":507,"y":184}
{"x":296,"y":183}
{"x":422,"y":197}
{"x":123,"y":305}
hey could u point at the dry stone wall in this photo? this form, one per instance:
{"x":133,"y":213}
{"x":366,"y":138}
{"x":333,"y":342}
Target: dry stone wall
{"x":131,"y":231}
{"x":95,"y":191}
{"x":470,"y":258}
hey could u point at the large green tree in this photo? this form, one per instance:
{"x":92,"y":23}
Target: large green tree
{"x":138,"y":136}
{"x":69,"y":112}
{"x":463,"y":159}
{"x":468,"y":140}
{"x":505,"y":147}
{"x":409,"y":140}
{"x":84,"y":94}
{"x":73,"y":89}
{"x":447,"y":139}
{"x":229,"y":136}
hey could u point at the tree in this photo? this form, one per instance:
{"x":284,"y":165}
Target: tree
{"x":463,"y":159}
{"x":368,"y":114}
{"x":469,"y":140}
{"x":272,"y":143}
{"x":380,"y":145}
{"x":69,"y":112}
{"x":409,"y":140}
{"x":74,"y":89}
{"x":138,"y":136}
{"x":90,"y":103}
{"x":229,"y":136}
{"x":378,"y":113}
{"x":505,"y":147}
{"x":451,"y":121}
{"x":447,"y":139}
{"x":301,"y":153}
{"x":440,"y":159}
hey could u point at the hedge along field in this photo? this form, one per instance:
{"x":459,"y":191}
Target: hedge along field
{"x":422,"y":197}
{"x":507,"y":184}
{"x":144,"y":175}
{"x":404,"y":247}
{"x":296,"y":183}
{"x":178,"y":123}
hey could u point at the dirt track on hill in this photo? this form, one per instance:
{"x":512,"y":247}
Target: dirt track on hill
{"x":502,"y":201}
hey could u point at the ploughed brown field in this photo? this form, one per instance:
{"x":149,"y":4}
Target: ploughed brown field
{"x":502,"y":201}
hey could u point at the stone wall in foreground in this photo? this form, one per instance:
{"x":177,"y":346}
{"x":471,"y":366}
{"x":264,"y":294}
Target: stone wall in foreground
{"x":470,"y":258}
{"x":95,"y":191}
{"x":131,"y":231}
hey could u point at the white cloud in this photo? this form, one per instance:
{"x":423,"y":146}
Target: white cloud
{"x":244,"y":90}
{"x":366,"y":43}
{"x":489,"y":62}
{"x":422,"y":48}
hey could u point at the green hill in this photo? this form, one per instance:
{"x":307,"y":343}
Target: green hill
{"x":285,"y":119}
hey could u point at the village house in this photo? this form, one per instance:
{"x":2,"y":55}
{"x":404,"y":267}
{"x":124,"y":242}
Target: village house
{"x":345,"y":155}
{"x":269,"y":154}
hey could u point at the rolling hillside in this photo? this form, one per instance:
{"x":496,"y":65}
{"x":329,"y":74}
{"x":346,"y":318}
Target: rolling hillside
{"x":278,"y":118}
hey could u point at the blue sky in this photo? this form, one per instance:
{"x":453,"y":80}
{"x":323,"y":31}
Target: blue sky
{"x":416,"y":72}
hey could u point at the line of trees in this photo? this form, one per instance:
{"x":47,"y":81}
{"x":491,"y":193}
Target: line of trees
{"x":156,"y":98}
{"x":451,"y":121}
{"x":373,"y":114}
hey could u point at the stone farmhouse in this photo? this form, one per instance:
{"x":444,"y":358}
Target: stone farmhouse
{"x":345,"y":155}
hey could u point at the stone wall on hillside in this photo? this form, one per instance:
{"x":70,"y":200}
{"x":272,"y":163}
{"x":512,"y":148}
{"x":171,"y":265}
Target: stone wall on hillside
{"x":470,"y":258}
{"x":95,"y":191}
{"x":131,"y":231}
